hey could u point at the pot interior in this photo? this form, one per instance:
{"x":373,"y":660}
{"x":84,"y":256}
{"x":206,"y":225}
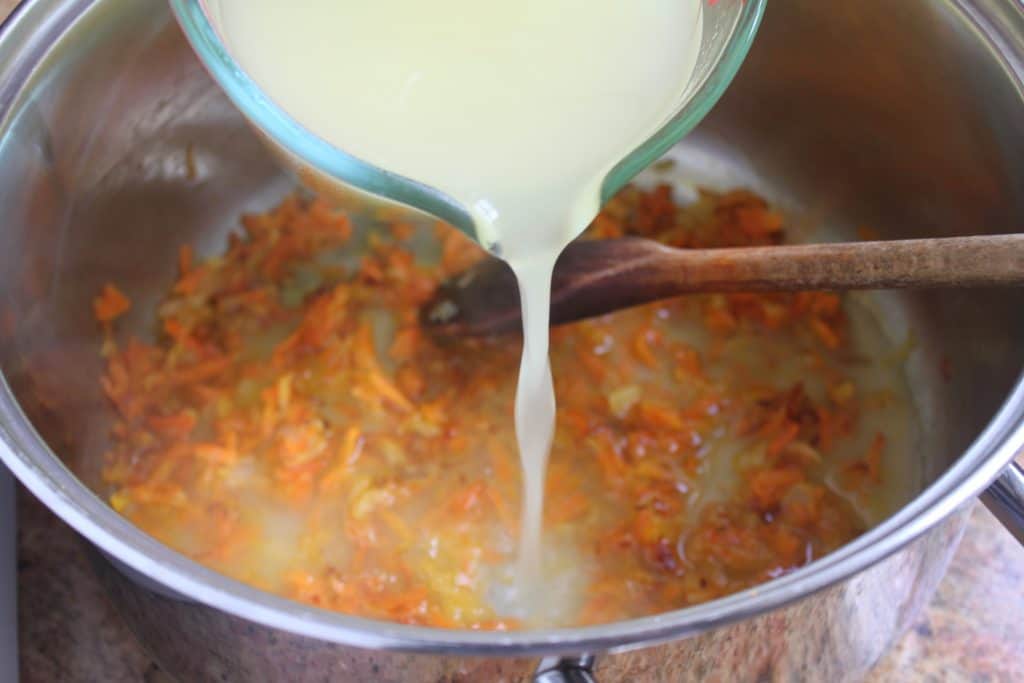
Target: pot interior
{"x":894,"y":117}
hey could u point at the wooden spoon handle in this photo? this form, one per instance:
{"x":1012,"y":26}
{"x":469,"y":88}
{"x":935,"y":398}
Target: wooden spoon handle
{"x":925,"y":263}
{"x":601,"y":276}
{"x":597,"y":277}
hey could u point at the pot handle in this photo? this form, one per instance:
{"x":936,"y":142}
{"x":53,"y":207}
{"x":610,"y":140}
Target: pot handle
{"x":1005,"y":499}
{"x":566,"y":670}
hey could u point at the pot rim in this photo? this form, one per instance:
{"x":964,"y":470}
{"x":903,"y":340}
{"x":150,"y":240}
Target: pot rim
{"x":27,"y":36}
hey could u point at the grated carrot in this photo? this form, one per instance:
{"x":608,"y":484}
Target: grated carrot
{"x":111,"y":304}
{"x":391,"y":454}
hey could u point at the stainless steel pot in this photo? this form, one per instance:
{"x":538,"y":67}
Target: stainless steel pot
{"x":116,"y":147}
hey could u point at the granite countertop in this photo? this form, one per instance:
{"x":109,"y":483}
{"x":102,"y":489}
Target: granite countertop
{"x":972,"y":631}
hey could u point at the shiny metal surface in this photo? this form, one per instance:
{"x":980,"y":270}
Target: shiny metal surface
{"x":566,"y":670}
{"x":1005,"y":498}
{"x":116,"y":147}
{"x":834,"y":635}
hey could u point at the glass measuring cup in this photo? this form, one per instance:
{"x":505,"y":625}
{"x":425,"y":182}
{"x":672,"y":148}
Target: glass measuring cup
{"x":729,"y":28}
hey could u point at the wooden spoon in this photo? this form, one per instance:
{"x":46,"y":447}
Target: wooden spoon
{"x":601,"y":276}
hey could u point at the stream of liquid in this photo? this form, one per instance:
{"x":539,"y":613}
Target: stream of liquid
{"x":517,"y":110}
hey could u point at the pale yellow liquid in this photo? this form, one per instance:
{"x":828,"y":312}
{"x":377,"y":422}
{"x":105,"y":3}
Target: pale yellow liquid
{"x":517,"y":110}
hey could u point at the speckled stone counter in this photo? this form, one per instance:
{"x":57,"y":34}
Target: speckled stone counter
{"x":973,"y":630}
